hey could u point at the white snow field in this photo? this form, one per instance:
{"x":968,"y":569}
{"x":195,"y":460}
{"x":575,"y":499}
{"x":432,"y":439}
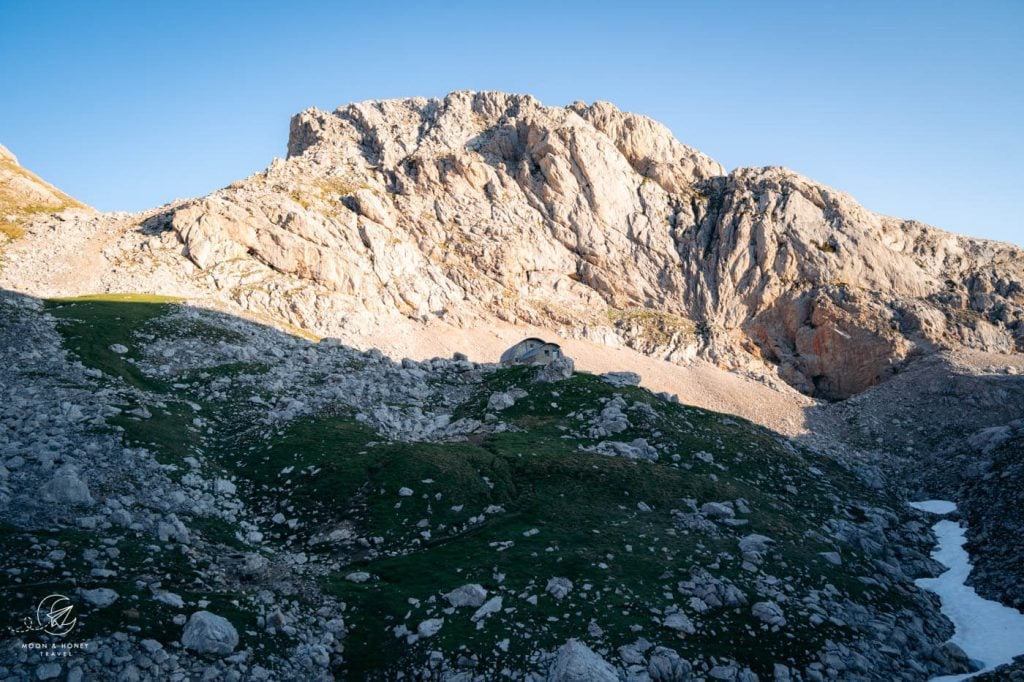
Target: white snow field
{"x":986,"y":630}
{"x":935,"y":506}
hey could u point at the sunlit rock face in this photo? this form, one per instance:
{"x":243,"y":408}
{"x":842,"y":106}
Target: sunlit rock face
{"x":489,"y":204}
{"x":585,"y":220}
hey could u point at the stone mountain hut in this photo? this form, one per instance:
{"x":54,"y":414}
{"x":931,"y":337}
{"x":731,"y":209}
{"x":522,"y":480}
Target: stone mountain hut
{"x":531,"y":351}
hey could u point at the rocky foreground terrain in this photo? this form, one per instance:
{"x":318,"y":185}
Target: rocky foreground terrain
{"x":333,"y":512}
{"x":260,"y":434}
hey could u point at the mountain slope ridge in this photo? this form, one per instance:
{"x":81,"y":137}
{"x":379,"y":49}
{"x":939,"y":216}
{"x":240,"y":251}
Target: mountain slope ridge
{"x":325,"y":502}
{"x":24,"y":195}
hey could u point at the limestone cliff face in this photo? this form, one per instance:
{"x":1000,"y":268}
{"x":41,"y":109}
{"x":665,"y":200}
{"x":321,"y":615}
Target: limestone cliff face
{"x":601,"y":224}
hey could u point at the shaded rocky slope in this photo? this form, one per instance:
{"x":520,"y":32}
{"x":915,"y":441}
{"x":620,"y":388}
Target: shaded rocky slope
{"x":334,"y":513}
{"x":984,"y":472}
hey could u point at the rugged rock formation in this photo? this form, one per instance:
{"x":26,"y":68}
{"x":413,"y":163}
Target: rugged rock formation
{"x":601,"y":224}
{"x":586,"y":220}
{"x":985,"y":473}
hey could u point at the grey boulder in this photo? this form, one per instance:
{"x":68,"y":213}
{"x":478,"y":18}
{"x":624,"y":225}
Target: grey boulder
{"x":576,"y":662}
{"x":467,"y":595}
{"x":208,"y":633}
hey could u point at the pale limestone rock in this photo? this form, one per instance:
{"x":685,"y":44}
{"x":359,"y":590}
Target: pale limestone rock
{"x":100,"y":597}
{"x":67,"y":487}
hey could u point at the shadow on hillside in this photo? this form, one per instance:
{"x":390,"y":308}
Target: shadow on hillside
{"x":909,"y":420}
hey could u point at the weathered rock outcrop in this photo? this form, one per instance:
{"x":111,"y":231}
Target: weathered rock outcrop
{"x":600,"y":223}
{"x":592,"y":222}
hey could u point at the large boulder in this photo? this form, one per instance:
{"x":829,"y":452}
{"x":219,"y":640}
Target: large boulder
{"x":67,"y":487}
{"x":467,"y":595}
{"x":620,"y":379}
{"x":665,"y":665}
{"x":768,"y":612}
{"x":101,"y":597}
{"x":576,"y":662}
{"x":208,"y":633}
{"x":558,"y":369}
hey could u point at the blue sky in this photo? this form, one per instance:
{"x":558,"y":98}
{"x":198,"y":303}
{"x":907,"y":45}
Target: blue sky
{"x":915,"y":108}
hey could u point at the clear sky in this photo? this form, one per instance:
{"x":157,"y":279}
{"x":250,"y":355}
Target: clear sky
{"x":915,"y":108}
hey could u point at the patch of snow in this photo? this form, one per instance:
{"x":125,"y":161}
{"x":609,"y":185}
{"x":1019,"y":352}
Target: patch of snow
{"x":986,"y":630}
{"x":935,"y":506}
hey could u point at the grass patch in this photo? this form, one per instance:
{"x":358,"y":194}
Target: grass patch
{"x":11,"y":230}
{"x":33,"y":571}
{"x":652,"y":326}
{"x":118,"y":298}
{"x":91,"y":325}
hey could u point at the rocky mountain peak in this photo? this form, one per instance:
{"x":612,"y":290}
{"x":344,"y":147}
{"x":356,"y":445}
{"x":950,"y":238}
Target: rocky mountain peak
{"x":601,"y":223}
{"x":495,"y":124}
{"x":594,"y":223}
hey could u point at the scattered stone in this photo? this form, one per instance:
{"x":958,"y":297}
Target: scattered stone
{"x":504,"y":400}
{"x":491,"y":606}
{"x":224,"y":487}
{"x":665,"y":665}
{"x":101,"y":597}
{"x":636,"y":449}
{"x":833,"y":558}
{"x":755,"y":543}
{"x":429,"y":627}
{"x":717,"y":510}
{"x":768,"y":612}
{"x":170,"y":598}
{"x":559,"y":588}
{"x":48,"y":671}
{"x":358,"y":577}
{"x":680,"y":622}
{"x":67,"y":487}
{"x":620,"y":379}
